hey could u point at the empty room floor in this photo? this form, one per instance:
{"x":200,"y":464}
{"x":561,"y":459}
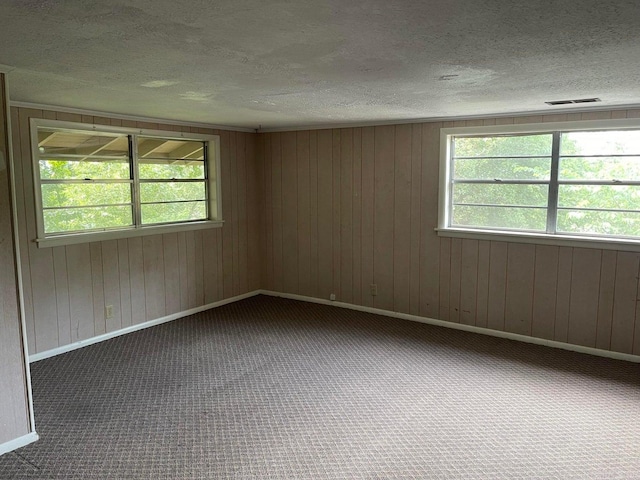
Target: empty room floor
{"x":281,"y":389}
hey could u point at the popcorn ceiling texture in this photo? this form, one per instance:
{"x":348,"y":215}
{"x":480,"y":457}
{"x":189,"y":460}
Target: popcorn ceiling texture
{"x":284,"y":63}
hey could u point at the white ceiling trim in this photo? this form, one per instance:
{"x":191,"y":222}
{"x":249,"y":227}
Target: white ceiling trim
{"x":403,"y":121}
{"x":95,"y":113}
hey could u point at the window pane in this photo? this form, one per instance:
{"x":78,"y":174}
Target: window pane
{"x":599,"y":196}
{"x":173,"y":169}
{"x":84,"y":194}
{"x":609,"y":142}
{"x":93,"y":218}
{"x":503,"y":168}
{"x":81,"y":144}
{"x":503,"y":146}
{"x":173,"y":212}
{"x":501,"y":194}
{"x":151,"y":148}
{"x":171,"y":191}
{"x":83,"y":170}
{"x":599,"y":223}
{"x":599,"y":168}
{"x":500,"y":217}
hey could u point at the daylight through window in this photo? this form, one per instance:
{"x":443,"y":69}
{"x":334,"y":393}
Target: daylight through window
{"x":92,"y":181}
{"x":561,"y":182}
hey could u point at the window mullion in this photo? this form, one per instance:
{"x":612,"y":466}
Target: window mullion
{"x":552,"y":206}
{"x":135,"y":187}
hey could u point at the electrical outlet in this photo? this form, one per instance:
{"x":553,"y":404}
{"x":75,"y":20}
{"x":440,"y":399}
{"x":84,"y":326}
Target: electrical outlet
{"x":332,"y":297}
{"x":108,"y":311}
{"x":374,"y":289}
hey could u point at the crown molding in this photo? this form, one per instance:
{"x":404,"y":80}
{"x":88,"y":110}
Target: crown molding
{"x":135,"y":118}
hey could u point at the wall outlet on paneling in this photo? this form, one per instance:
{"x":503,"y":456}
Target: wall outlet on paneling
{"x":374,"y":289}
{"x":108,"y":311}
{"x":332,"y":297}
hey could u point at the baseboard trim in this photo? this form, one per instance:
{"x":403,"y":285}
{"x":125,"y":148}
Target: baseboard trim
{"x":19,"y":442}
{"x":467,"y":328}
{"x":134,"y":328}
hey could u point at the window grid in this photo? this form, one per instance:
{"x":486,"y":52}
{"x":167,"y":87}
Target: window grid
{"x":74,"y":152}
{"x":554,"y":183}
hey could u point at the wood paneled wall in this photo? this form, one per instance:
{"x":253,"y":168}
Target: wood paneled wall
{"x":144,"y":278}
{"x":348,"y":208}
{"x":14,"y":407}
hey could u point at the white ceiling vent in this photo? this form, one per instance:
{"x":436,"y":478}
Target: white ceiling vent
{"x":578,"y":100}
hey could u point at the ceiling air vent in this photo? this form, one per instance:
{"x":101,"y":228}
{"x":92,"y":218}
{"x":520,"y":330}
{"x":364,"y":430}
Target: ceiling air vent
{"x":578,"y":100}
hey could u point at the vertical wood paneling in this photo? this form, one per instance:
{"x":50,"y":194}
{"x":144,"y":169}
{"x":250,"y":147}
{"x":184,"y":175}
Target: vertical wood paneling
{"x":111,"y":284}
{"x":227,"y":209}
{"x":563,"y":293}
{"x":383,"y":216}
{"x":430,"y":261}
{"x":97,"y":282}
{"x":357,"y":216}
{"x":368,"y":186}
{"x":136,"y":273}
{"x":605,"y":298}
{"x":356,"y":207}
{"x":125,"y":283}
{"x":624,"y":302}
{"x":210,"y":269}
{"x":153,"y":261}
{"x":80,"y":292}
{"x":402,"y":219}
{"x":544,"y":292}
{"x":469,"y":282}
{"x":183,"y":272}
{"x":444,"y":274}
{"x":346,"y":215}
{"x":521,"y":260}
{"x":335,"y":213}
{"x":583,"y":310}
{"x":497,"y":285}
{"x":276,"y":199}
{"x":234,"y":214}
{"x":27,"y":297}
{"x":325,"y":209}
{"x":255,"y":214}
{"x":482,"y":299}
{"x":415,"y":177}
{"x":66,"y":289}
{"x":14,"y":415}
{"x":171,"y":280}
{"x":289,"y":213}
{"x":199,"y":270}
{"x":268,"y":214}
{"x":455,"y":264}
{"x":190,"y":244}
{"x":243,"y":242}
{"x":303,"y":212}
{"x":62,"y":295}
{"x":313,"y":213}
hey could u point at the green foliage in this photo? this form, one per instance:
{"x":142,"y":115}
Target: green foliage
{"x":183,"y":170}
{"x":92,"y":196}
{"x":575,"y":164}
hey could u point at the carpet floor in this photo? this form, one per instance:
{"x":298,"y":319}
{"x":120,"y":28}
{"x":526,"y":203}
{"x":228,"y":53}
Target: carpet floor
{"x":269,"y":388}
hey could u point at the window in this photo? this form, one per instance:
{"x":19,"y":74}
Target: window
{"x":95,"y":183}
{"x":548,"y":180}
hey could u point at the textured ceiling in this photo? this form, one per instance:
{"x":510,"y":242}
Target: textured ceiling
{"x":289,"y":63}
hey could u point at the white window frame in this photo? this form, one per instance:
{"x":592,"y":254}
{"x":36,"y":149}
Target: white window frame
{"x":576,"y":240}
{"x":136,"y":230}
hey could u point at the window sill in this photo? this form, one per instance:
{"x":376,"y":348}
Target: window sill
{"x":75,"y":238}
{"x":542,"y":239}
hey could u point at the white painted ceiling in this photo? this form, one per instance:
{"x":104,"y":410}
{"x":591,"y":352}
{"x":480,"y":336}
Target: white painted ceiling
{"x":281,"y":63}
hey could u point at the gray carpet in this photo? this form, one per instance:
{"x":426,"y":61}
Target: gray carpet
{"x":277,"y":389}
